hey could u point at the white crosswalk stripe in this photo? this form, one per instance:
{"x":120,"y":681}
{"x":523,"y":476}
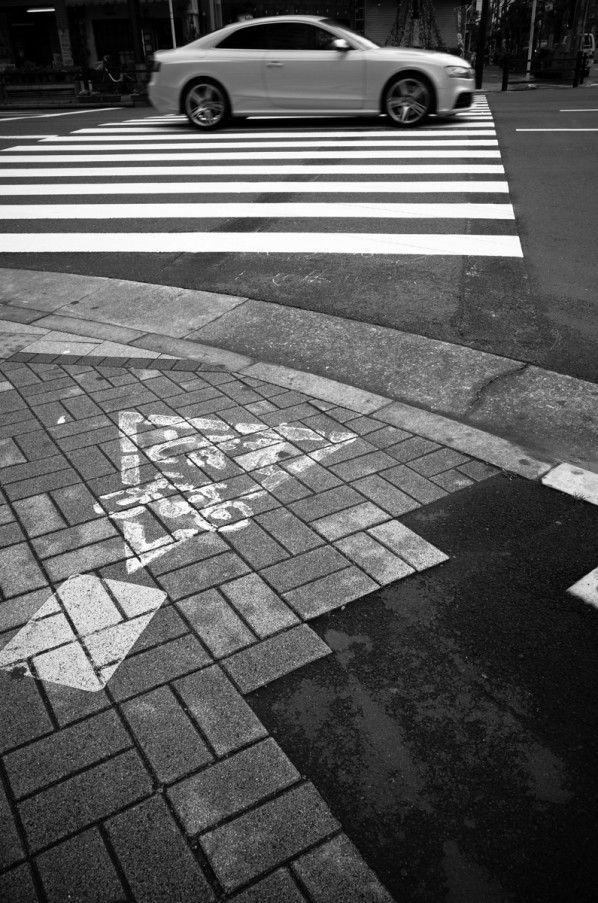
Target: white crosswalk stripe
{"x":335,"y":177}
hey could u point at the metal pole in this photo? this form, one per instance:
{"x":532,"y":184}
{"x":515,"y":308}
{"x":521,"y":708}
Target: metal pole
{"x":172,"y":23}
{"x":528,"y":67}
{"x":480,"y":50}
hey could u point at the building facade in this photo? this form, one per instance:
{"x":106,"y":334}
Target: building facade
{"x":76,"y":34}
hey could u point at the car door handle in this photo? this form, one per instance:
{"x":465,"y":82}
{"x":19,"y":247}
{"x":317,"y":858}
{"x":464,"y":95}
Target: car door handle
{"x":274,"y":65}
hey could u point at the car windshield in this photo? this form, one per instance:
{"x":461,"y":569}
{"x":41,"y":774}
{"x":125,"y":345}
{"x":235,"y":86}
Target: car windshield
{"x":354,"y":34}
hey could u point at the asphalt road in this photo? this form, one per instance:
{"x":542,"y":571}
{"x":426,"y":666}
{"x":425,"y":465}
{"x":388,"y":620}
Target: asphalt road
{"x":453,"y":730}
{"x":542,"y":311}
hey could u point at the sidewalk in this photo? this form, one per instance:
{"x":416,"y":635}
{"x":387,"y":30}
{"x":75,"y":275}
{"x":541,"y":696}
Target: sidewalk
{"x":173,"y":515}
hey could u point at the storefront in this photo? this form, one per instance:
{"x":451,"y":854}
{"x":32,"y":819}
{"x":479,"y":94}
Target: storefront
{"x":68,"y":34}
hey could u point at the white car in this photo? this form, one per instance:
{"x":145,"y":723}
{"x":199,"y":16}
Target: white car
{"x":305,"y":65}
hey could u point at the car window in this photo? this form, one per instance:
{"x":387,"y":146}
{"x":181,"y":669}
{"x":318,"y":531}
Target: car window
{"x":299,"y":36}
{"x":253,"y":37}
{"x":279,"y":36}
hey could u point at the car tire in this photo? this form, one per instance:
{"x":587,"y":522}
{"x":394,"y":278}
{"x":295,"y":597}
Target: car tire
{"x":408,"y":100}
{"x":206,"y":105}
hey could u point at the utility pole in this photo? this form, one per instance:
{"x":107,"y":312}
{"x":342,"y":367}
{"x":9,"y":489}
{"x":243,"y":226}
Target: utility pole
{"x":480,"y":50}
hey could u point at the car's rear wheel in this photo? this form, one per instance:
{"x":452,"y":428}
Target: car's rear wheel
{"x":205,"y":104}
{"x":408,"y":100}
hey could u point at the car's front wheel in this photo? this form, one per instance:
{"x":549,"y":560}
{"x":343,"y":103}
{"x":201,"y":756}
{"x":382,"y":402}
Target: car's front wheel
{"x":407,"y":100}
{"x":206,"y":104}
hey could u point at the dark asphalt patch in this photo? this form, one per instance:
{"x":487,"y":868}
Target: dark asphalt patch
{"x":453,"y":730}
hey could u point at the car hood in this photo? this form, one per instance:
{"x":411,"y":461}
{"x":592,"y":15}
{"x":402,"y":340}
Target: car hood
{"x":419,"y":55}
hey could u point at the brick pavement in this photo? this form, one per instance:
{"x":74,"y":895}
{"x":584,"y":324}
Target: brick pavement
{"x":213,"y":517}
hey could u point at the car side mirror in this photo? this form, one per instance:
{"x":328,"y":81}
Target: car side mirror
{"x":340,"y":44}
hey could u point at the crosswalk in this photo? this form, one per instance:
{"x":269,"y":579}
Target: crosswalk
{"x":153,"y":185}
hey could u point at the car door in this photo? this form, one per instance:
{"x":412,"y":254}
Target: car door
{"x":303,"y":72}
{"x":237,"y":62}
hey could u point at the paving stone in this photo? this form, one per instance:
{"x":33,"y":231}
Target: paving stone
{"x":10,"y":454}
{"x":304,"y":568}
{"x":33,"y":469}
{"x":45,"y":483}
{"x":82,"y":406}
{"x":76,"y":803}
{"x":6,"y":515}
{"x":166,"y":735}
{"x":19,"y":571}
{"x":90,"y":462}
{"x":10,"y":534}
{"x":288,"y":530}
{"x":76,"y":503}
{"x":452,"y":480}
{"x":385,"y":495}
{"x":86,"y":559}
{"x":258,"y":841}
{"x":17,"y":611}
{"x":443,"y":459}
{"x":80,"y":869}
{"x":74,"y":537}
{"x":388,"y":435}
{"x":345,"y":451}
{"x":11,"y":848}
{"x":477,"y":470}
{"x":205,"y":574}
{"x":256,"y":546}
{"x":58,"y":379}
{"x":166,"y":625}
{"x":326,"y":503}
{"x":414,"y":484}
{"x":312,"y":474}
{"x":260,"y":665}
{"x":375,"y":559}
{"x":50,"y":414}
{"x":222,"y":714}
{"x":278,"y":887}
{"x":263,"y":609}
{"x":17,"y":428}
{"x":17,"y":886}
{"x":55,"y":757}
{"x":410,"y":449}
{"x":37,"y":444}
{"x":335,"y":873}
{"x":38,"y":515}
{"x":362,"y":466}
{"x":216,"y":623}
{"x":156,"y":666}
{"x":69,"y":704}
{"x":330,"y":592}
{"x":85,"y":436}
{"x":158,"y":864}
{"x":290,"y":414}
{"x":229,"y":787}
{"x":350,"y":520}
{"x":92,"y":426}
{"x":414,"y":549}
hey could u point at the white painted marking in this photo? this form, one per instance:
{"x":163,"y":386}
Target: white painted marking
{"x":556,"y":130}
{"x":581,"y":110}
{"x":60,"y":144}
{"x":263,"y":243}
{"x":50,"y":115}
{"x":204,"y":156}
{"x":256,"y":211}
{"x":44,"y":137}
{"x":466,"y":128}
{"x":83,"y":632}
{"x":267,"y":139}
{"x":183,"y":506}
{"x":583,"y":484}
{"x":254,"y":169}
{"x":587,"y":588}
{"x":151,"y":188}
